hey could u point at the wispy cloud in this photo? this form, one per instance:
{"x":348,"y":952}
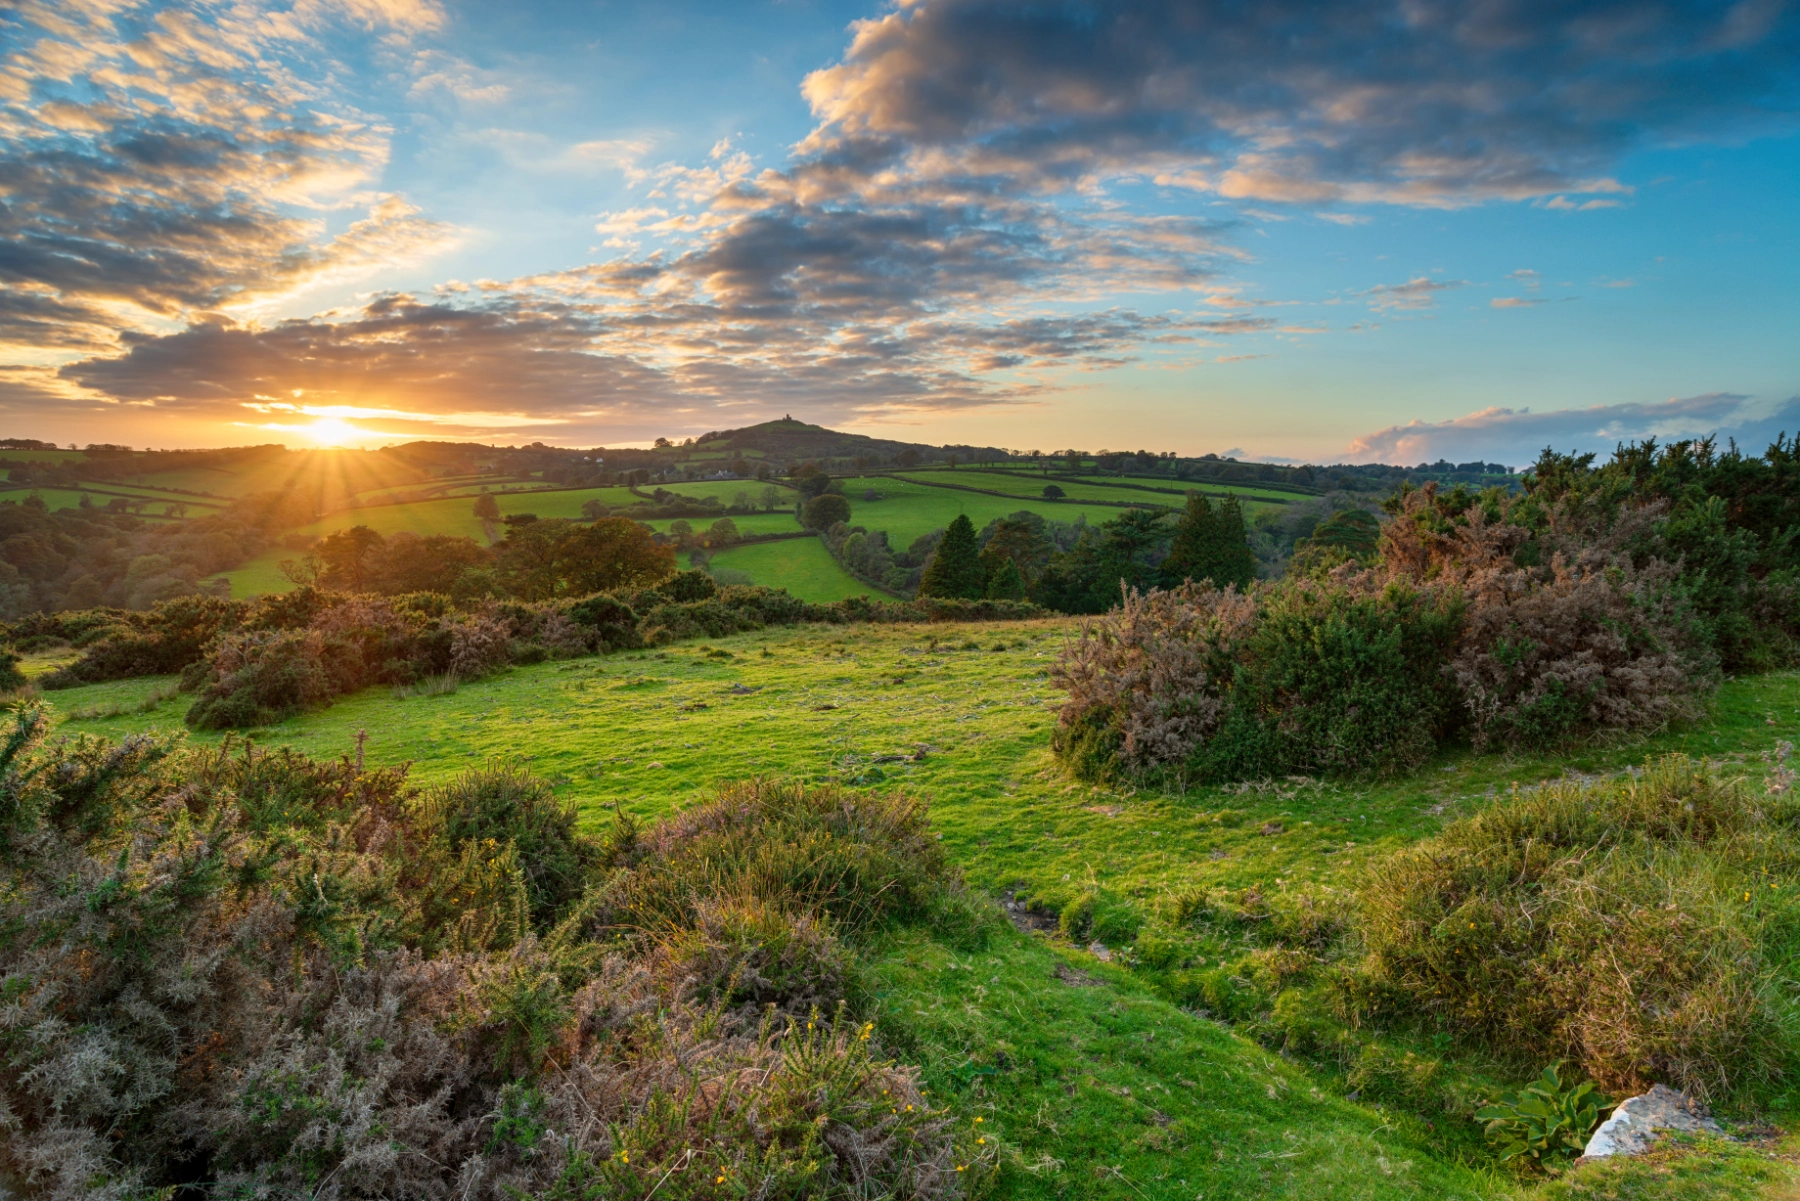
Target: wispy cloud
{"x":1515,"y":302}
{"x":1416,"y":293}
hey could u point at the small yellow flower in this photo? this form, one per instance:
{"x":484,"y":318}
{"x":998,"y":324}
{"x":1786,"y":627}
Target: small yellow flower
{"x":720,"y":1180}
{"x":981,"y":1142}
{"x":960,"y":1167}
{"x":978,"y":1121}
{"x":624,"y":1157}
{"x":909,"y":1109}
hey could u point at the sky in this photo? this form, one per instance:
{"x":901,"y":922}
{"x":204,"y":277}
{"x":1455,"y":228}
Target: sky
{"x":1358,"y":231}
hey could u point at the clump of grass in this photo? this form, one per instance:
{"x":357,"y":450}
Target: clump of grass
{"x":445,"y":684}
{"x":1642,"y":928}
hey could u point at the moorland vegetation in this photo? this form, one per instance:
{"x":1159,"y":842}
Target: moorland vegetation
{"x":305,"y":975}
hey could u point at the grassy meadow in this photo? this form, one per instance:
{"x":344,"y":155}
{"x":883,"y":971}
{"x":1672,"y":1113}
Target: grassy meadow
{"x":1081,"y":1063}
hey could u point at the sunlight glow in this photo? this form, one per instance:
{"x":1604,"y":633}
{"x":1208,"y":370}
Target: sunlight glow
{"x":332,"y":431}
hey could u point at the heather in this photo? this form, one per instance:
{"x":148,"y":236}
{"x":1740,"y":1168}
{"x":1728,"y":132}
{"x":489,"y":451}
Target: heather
{"x":250,"y":972}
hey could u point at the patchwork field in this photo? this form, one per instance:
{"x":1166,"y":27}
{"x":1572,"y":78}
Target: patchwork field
{"x":801,"y":565}
{"x":1140,"y":490}
{"x":1089,"y":1073}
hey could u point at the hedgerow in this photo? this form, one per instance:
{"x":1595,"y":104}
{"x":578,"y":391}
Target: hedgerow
{"x":245,"y":972}
{"x":256,"y":662}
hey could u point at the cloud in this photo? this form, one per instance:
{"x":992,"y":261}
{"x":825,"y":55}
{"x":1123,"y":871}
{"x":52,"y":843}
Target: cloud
{"x":171,"y":175}
{"x":1515,"y":302}
{"x":586,"y":367}
{"x":1527,"y":278}
{"x":1371,"y":101}
{"x":1416,"y":293}
{"x":155,"y":167}
{"x":1515,"y":436}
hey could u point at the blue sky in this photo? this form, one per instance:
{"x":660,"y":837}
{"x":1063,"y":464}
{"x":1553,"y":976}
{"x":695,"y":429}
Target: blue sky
{"x":1353,"y":231}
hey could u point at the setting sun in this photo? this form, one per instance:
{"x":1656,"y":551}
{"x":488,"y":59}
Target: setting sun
{"x":332,"y":431}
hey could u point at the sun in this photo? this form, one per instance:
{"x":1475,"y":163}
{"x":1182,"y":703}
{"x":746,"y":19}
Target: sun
{"x":332,"y":431}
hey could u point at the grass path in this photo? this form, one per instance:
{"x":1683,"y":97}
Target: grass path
{"x":1095,"y":1083}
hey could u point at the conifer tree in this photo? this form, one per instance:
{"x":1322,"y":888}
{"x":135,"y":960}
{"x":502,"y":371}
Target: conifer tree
{"x":1006,"y":583}
{"x":956,"y":569}
{"x":1193,"y":544}
{"x":1236,"y":562}
{"x":1210,"y":544}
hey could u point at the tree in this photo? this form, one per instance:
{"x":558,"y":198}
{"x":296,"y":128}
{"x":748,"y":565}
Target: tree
{"x":1052,"y":492}
{"x":722,"y":532}
{"x":1006,"y":583}
{"x":1019,"y":539}
{"x":955,"y":571}
{"x":594,"y":509}
{"x":348,"y":558}
{"x":771,"y":497}
{"x":556,"y":557}
{"x":907,"y":458}
{"x":434,"y":563}
{"x":487,"y":508}
{"x":824,"y":511}
{"x":1210,"y":545}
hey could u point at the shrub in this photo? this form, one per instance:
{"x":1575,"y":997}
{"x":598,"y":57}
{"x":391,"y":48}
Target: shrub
{"x":1312,"y":676}
{"x":248,"y":973}
{"x":172,"y":635}
{"x":501,"y":804}
{"x":612,"y":621}
{"x":1626,"y":926}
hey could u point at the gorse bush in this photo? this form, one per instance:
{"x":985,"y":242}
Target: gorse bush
{"x":1340,"y":675}
{"x":251,"y":974}
{"x":1515,"y":623}
{"x":1643,"y":928}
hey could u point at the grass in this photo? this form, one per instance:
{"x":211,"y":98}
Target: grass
{"x":1030,"y":486}
{"x":1096,"y":1084}
{"x":801,"y":565}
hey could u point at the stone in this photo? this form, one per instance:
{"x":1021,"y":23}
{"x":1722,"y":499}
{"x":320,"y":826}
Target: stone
{"x":1633,"y":1125}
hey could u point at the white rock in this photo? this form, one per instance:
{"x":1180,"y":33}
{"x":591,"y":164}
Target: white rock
{"x":1634,"y":1124}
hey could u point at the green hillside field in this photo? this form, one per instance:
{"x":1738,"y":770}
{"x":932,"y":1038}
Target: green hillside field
{"x":801,"y":565}
{"x":1030,"y":485}
{"x":1090,"y":1078}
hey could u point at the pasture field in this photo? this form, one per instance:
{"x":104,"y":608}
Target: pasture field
{"x":70,"y":498}
{"x":1029,"y":485}
{"x":1092,"y":1081}
{"x":43,"y":456}
{"x":725,"y":491}
{"x":344,"y":473}
{"x":781,"y":521}
{"x":909,"y":509}
{"x":801,"y":565}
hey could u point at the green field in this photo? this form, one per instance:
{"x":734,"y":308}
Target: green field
{"x":801,"y":565}
{"x":725,"y":491}
{"x":1031,"y":484}
{"x":909,"y":509}
{"x":1092,"y":1082}
{"x":781,"y":521}
{"x":43,"y":456}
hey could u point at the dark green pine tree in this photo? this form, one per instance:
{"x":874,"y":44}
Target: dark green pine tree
{"x":956,"y":569}
{"x":1192,"y":547}
{"x":1006,"y":583}
{"x":1236,"y":562}
{"x":1210,"y":544}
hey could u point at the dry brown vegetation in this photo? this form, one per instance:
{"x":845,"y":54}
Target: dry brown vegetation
{"x":250,"y":972}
